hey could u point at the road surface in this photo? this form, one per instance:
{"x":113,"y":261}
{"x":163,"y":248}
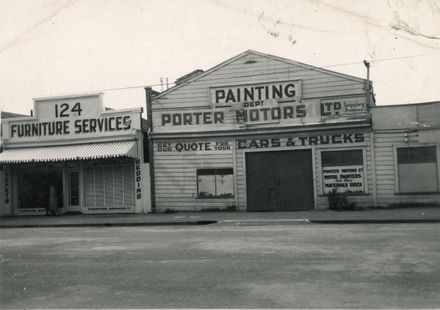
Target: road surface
{"x":215,"y":266}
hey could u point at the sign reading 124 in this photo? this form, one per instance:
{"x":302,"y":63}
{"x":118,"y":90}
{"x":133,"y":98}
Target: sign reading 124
{"x":63,"y":110}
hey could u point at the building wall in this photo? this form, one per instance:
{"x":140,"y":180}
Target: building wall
{"x":251,"y":68}
{"x":321,"y":200}
{"x":396,"y":127}
{"x":204,"y":113}
{"x":176,"y":173}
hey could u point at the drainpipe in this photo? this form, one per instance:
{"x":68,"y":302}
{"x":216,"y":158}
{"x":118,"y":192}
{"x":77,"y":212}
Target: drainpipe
{"x":148,"y":98}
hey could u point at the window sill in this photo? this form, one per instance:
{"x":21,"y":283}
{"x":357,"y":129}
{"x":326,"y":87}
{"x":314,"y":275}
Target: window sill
{"x":418,"y":193}
{"x":215,"y":197}
{"x":347,"y":194}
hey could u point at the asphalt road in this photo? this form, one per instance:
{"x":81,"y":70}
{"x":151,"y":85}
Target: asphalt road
{"x":290,"y":266}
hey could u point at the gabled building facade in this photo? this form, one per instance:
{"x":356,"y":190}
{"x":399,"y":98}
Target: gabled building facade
{"x":260,"y":132}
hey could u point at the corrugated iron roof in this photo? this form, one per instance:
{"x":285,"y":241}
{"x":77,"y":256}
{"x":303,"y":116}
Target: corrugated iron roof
{"x":69,"y":152}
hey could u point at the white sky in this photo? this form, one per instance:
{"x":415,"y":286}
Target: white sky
{"x":57,"y":47}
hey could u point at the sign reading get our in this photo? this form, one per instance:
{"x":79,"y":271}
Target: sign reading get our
{"x":70,"y":117}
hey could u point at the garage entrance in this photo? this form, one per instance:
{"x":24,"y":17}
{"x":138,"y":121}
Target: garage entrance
{"x":279,"y":181}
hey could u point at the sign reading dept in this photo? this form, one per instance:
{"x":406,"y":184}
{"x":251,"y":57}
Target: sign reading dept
{"x":70,"y":117}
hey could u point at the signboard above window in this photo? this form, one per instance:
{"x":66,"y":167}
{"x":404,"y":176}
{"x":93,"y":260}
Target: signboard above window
{"x":71,"y":117}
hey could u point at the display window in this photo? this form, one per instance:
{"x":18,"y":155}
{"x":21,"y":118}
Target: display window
{"x":343,"y":171}
{"x":215,"y":183}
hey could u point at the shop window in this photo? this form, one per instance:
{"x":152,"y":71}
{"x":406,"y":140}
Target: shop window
{"x":215,"y":183}
{"x":343,"y":171}
{"x":417,"y":169}
{"x":109,"y":187}
{"x":35,"y":186}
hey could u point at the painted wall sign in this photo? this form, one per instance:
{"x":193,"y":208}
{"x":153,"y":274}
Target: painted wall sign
{"x":193,"y":118}
{"x":79,"y":126}
{"x":70,"y":118}
{"x":252,"y":115}
{"x":333,"y":108}
{"x":343,"y":179}
{"x":138,"y":179}
{"x":270,"y":114}
{"x":301,"y":141}
{"x":184,"y":147}
{"x":255,"y":94}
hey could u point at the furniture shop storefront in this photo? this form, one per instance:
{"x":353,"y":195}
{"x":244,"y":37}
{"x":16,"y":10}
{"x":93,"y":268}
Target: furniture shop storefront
{"x":261,"y":133}
{"x":74,"y":156}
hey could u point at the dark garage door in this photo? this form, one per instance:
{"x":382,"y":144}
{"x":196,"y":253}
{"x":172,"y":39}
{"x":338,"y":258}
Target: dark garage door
{"x":279,"y":181}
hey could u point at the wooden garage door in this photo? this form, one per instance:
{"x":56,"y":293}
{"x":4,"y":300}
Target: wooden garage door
{"x":279,"y":181}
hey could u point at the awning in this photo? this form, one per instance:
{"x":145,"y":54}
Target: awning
{"x":69,"y":152}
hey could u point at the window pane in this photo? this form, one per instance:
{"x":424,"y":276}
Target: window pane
{"x":225,"y":185}
{"x":416,"y":155}
{"x":89,"y":187}
{"x":74,"y":188}
{"x":418,"y":178}
{"x":206,"y":185}
{"x":215,"y":182}
{"x":341,"y":158}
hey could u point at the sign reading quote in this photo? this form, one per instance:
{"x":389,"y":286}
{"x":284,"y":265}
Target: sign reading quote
{"x":343,"y":179}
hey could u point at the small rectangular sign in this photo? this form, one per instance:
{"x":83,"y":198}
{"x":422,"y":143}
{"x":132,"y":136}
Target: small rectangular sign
{"x":343,"y":179}
{"x":335,"y":108}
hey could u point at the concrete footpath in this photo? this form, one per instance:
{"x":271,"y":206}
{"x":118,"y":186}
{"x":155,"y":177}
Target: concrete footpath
{"x":405,"y":215}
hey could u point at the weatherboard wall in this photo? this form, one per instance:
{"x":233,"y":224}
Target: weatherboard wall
{"x":397,"y":127}
{"x":175,"y":169}
{"x":196,"y":96}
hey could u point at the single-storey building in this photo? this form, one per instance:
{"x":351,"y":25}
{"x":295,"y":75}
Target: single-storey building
{"x":73,"y":155}
{"x":260,"y":132}
{"x":406,"y":141}
{"x":255,"y":133}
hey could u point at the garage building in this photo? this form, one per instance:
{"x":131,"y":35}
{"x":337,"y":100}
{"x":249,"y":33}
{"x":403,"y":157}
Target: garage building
{"x":259,"y":132}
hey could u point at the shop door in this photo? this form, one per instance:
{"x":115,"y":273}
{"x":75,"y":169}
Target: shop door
{"x":279,"y":181}
{"x":72,"y":203}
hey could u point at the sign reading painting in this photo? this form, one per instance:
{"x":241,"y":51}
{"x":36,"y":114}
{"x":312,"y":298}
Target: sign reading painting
{"x":252,"y":95}
{"x":343,"y":179}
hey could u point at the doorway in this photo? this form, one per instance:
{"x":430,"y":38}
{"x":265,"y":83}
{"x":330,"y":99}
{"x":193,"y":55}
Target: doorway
{"x":279,"y":181}
{"x":72,"y":190}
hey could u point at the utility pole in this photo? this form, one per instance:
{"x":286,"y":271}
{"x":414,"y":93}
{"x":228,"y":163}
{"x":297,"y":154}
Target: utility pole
{"x":368,"y":88}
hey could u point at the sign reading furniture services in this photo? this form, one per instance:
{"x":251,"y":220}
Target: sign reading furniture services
{"x":70,"y":117}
